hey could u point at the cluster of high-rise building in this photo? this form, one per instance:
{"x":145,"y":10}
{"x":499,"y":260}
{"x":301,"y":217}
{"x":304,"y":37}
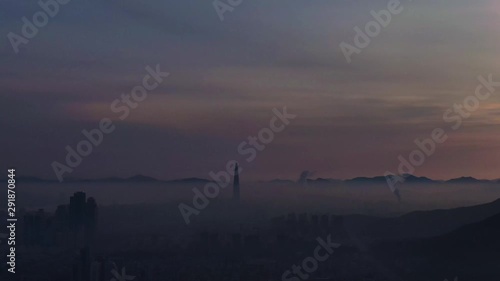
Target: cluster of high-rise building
{"x":71,"y":226}
{"x":69,"y":233}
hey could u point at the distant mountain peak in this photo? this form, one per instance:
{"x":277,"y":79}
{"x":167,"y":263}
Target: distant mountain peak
{"x":466,"y":180}
{"x":367,"y":179}
{"x":141,"y":178}
{"x":412,"y":178}
{"x":190,"y":180}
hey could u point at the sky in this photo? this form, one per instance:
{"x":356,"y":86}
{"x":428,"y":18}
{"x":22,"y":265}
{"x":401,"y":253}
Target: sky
{"x":227,"y":76}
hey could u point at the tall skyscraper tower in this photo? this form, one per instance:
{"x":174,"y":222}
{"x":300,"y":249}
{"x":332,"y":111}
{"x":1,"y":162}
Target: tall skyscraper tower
{"x":236,"y":183}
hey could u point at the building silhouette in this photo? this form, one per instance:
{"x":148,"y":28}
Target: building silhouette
{"x":70,"y":226}
{"x":236,"y":183}
{"x":82,"y":219}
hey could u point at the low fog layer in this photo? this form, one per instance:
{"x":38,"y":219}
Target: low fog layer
{"x":279,"y":198}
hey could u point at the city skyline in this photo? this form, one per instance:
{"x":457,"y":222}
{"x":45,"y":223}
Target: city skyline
{"x":237,"y":140}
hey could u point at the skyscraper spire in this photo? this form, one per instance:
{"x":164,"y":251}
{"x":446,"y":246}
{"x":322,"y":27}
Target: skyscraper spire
{"x":236,"y":183}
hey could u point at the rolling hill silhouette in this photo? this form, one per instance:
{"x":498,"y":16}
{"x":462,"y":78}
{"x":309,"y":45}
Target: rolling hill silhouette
{"x":419,"y":224}
{"x":471,"y":252}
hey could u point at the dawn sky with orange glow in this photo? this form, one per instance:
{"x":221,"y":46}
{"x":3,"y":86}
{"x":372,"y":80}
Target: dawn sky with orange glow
{"x":353,"y":119}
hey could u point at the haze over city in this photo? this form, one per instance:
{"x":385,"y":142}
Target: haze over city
{"x":237,"y":140}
